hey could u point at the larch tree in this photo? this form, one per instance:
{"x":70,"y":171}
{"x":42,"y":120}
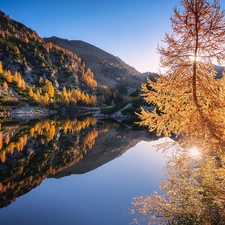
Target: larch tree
{"x":188,"y":92}
{"x":190,"y":102}
{"x":50,"y":88}
{"x":1,"y":67}
{"x":31,"y":93}
{"x":9,"y":76}
{"x":5,"y":86}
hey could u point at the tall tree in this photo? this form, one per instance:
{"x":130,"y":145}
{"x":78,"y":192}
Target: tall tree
{"x":5,"y":86}
{"x":188,"y":91}
{"x":50,"y":88}
{"x":31,"y":93}
{"x":1,"y":67}
{"x":190,"y":102}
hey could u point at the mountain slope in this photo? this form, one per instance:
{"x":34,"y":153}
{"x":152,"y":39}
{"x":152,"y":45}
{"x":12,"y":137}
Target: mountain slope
{"x":75,"y":65}
{"x":108,"y":69}
{"x":219,"y":70}
{"x":22,"y":50}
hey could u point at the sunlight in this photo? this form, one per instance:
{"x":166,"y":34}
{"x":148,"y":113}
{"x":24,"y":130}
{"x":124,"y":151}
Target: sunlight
{"x":194,"y":152}
{"x":193,"y":58}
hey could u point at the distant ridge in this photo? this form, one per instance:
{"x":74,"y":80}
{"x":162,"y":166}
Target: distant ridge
{"x":219,"y":70}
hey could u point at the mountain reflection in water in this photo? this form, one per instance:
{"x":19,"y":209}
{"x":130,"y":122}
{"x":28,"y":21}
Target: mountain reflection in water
{"x":35,"y":150}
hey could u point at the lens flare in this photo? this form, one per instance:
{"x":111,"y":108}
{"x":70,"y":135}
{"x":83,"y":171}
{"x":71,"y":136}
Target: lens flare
{"x":194,"y":152}
{"x":192,"y":58}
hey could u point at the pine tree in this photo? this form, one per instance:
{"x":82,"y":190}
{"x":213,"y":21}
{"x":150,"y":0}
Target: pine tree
{"x":46,"y":98}
{"x":93,"y":100}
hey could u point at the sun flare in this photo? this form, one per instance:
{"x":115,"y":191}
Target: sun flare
{"x":194,"y":152}
{"x":193,"y":58}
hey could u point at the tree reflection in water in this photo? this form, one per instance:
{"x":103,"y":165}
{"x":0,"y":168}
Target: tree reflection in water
{"x":33,"y":151}
{"x":192,"y":192}
{"x":193,"y":189}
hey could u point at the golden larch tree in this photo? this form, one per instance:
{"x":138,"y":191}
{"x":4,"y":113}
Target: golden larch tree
{"x":188,"y":91}
{"x":31,"y":93}
{"x":5,"y":86}
{"x":1,"y":67}
{"x":190,"y":102}
{"x":9,"y":76}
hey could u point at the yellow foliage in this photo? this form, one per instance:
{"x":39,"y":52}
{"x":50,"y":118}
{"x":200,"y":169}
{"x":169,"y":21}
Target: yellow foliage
{"x":2,"y":156}
{"x":5,"y":86}
{"x":7,"y":139}
{"x":1,"y":140}
{"x":1,"y":67}
{"x":31,"y":93}
{"x":9,"y":76}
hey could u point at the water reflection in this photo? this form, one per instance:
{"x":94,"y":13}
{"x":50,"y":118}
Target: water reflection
{"x":193,"y":189}
{"x":192,"y":193}
{"x":35,"y":150}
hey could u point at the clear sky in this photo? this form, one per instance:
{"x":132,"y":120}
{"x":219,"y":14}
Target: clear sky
{"x":129,"y":29}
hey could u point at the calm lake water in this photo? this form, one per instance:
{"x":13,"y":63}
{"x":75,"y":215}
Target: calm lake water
{"x":74,"y":172}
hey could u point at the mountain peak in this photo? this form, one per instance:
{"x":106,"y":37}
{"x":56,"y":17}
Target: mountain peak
{"x":73,"y":65}
{"x":109,"y":70}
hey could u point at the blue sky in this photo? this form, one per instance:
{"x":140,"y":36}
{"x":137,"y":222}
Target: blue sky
{"x":129,"y":29}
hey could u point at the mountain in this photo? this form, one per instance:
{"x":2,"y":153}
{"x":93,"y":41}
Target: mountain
{"x":219,"y":70}
{"x":108,"y":69}
{"x":22,"y":50}
{"x":77,"y":73}
{"x":33,"y":150}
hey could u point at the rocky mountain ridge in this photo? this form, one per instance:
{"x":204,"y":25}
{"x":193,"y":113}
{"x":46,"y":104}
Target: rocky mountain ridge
{"x":108,"y":69}
{"x":74,"y":65}
{"x":22,"y":50}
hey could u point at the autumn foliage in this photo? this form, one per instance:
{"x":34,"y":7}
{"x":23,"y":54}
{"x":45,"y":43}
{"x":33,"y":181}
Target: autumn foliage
{"x":190,"y":103}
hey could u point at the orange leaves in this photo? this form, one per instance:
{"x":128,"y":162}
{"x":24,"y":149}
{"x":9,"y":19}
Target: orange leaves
{"x":88,"y":78}
{"x":1,"y":67}
{"x":89,"y":139}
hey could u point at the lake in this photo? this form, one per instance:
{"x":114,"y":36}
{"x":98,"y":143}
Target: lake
{"x":79,"y":171}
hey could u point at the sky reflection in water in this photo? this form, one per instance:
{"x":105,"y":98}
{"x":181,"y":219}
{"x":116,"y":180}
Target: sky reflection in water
{"x":102,"y":196}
